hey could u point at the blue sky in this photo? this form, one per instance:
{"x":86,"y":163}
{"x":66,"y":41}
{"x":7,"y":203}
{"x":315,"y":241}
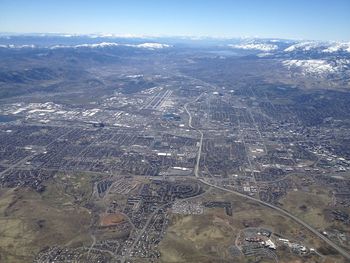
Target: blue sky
{"x":298,"y":19}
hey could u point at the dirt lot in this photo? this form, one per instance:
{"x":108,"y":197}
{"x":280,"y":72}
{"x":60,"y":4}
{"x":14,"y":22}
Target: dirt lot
{"x":111,"y":219}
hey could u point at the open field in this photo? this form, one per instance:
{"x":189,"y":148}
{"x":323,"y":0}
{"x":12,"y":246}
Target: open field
{"x":30,"y":222}
{"x":314,"y":205}
{"x":309,"y":206}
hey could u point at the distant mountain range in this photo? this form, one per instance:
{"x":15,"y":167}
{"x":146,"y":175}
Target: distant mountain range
{"x":293,"y":46}
{"x":305,"y":57}
{"x":108,"y":40}
{"x":309,"y":58}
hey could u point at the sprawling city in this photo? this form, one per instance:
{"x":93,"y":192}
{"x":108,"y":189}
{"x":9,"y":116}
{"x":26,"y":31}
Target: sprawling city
{"x":153,"y":153}
{"x":131,"y":149}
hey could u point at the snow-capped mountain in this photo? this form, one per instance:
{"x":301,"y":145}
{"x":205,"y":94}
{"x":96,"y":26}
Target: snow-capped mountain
{"x":318,"y":59}
{"x":312,"y":46}
{"x":318,"y":66}
{"x":150,"y":46}
{"x":252,"y":46}
{"x":17,"y":46}
{"x":303,"y":46}
{"x":261,"y":45}
{"x":337,"y":47}
{"x":309,"y":58}
{"x":291,"y":47}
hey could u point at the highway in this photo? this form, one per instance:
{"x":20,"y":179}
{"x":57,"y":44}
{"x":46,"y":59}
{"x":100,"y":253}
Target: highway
{"x":196,"y":167}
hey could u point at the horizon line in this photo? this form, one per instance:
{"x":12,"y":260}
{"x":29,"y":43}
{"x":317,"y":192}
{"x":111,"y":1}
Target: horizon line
{"x":116,"y":35}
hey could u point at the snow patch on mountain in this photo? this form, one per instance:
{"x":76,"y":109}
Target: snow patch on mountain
{"x":325,"y":47}
{"x":255,"y":46}
{"x":336,"y":47}
{"x":98,"y":45}
{"x":17,"y":46}
{"x":303,"y":46}
{"x":150,"y":46}
{"x":310,"y":66}
{"x":318,"y":66}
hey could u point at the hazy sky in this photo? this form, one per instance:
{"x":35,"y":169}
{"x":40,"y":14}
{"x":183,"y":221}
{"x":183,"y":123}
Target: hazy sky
{"x":301,"y":19}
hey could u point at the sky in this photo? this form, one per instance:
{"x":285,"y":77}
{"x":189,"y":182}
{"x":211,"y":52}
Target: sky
{"x":292,"y":19}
